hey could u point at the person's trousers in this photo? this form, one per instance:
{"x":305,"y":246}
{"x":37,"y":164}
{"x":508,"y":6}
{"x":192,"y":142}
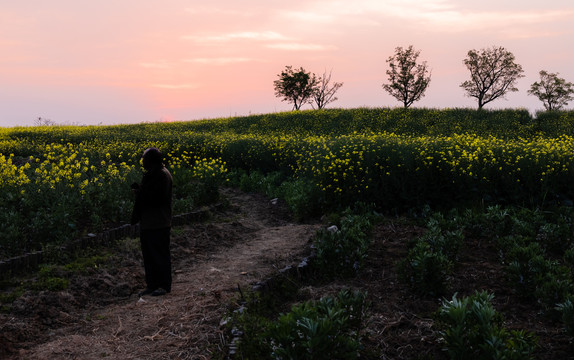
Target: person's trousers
{"x":157,"y":257}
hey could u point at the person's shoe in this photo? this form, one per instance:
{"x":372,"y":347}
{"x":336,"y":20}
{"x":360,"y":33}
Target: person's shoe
{"x":159,"y":292}
{"x":146,"y":291}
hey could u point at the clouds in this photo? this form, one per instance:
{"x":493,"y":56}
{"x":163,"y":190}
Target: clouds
{"x":440,"y":16}
{"x":176,"y":86}
{"x":269,"y":39}
{"x":190,"y":53}
{"x":220,"y":61}
{"x":236,"y":36}
{"x":294,"y":46}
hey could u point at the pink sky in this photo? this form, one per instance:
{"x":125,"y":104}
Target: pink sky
{"x":128,"y":61}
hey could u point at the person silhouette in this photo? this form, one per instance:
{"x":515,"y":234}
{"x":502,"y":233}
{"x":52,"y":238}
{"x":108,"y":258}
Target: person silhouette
{"x":153,"y":210}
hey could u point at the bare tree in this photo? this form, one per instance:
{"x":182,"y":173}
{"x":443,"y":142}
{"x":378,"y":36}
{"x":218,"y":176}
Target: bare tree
{"x":325,"y":93}
{"x":408,"y":80}
{"x":295,"y":86}
{"x":554,"y":92}
{"x":493,"y":73}
{"x":40,"y":121}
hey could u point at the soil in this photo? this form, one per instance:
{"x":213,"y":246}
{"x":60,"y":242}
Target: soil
{"x":100,"y":314}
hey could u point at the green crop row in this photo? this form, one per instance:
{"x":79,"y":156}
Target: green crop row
{"x":536,"y":247}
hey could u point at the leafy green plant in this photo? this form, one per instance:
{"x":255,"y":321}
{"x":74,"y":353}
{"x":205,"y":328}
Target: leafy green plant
{"x":7,"y":297}
{"x":327,"y":329}
{"x":472,"y":329}
{"x":569,"y":257}
{"x":445,"y":242}
{"x":50,"y":277}
{"x":302,"y":197}
{"x":566,"y":309}
{"x":84,"y":264}
{"x":554,"y":287}
{"x":536,"y":277}
{"x":526,"y":265}
{"x":343,"y":251}
{"x":433,"y":255}
{"x":425,"y":269}
{"x":556,"y":237}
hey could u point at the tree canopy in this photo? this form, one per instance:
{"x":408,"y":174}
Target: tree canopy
{"x":295,"y":86}
{"x":408,"y":79}
{"x":493,"y":73}
{"x":553,"y":91}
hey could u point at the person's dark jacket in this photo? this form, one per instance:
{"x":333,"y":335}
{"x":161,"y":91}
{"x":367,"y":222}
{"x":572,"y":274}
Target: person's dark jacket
{"x":153,"y":204}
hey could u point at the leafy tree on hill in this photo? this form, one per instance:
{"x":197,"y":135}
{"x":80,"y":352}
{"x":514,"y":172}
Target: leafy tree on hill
{"x":295,"y":86}
{"x":554,"y":92}
{"x":407,"y":79}
{"x":325,"y":93}
{"x":493,"y":73}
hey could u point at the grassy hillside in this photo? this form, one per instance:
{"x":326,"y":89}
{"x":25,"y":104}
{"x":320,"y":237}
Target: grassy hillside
{"x":64,"y":180}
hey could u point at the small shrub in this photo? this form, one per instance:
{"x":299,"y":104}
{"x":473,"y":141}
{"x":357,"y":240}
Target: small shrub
{"x":250,"y":182}
{"x":472,"y":329}
{"x":425,"y":270}
{"x":51,"y":278}
{"x":536,"y":277}
{"x":445,"y":242}
{"x":327,"y":329}
{"x":431,"y":259}
{"x":569,"y":257}
{"x":343,"y":252}
{"x":525,"y":269}
{"x":302,"y":197}
{"x":255,"y":181}
{"x":566,"y":309}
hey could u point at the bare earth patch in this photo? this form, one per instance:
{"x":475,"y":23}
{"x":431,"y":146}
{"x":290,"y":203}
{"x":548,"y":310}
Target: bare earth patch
{"x":242,"y":245}
{"x":100,"y":315}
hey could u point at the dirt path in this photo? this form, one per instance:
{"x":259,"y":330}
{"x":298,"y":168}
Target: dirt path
{"x":244,"y":244}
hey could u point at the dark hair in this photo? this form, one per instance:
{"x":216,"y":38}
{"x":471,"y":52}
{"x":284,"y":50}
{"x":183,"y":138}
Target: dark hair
{"x":153,"y":155}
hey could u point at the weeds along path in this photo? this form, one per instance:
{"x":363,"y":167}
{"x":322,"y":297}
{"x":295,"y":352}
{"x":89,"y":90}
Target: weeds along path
{"x":243,"y":244}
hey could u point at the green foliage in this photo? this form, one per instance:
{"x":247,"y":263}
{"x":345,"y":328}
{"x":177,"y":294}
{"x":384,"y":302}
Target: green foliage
{"x":553,"y":91}
{"x":60,"y":182}
{"x":295,"y":86}
{"x":567,"y":314}
{"x":425,"y":270}
{"x":431,"y":259}
{"x":8,"y":297}
{"x":85,"y":264}
{"x":556,"y":237}
{"x":257,"y":181}
{"x":535,"y":276}
{"x":447,"y":242}
{"x":536,"y":248}
{"x":342,"y":251}
{"x":50,"y":278}
{"x":327,"y":329}
{"x":569,"y":257}
{"x":50,"y":284}
{"x":472,"y":329}
{"x":551,"y":123}
{"x":493,"y":73}
{"x":302,"y":197}
{"x":506,"y":123}
{"x":408,"y":79}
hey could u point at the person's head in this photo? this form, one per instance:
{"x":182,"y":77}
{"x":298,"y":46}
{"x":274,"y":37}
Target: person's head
{"x":152,"y":158}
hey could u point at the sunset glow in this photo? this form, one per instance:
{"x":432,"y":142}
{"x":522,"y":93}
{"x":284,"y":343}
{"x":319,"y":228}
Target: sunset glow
{"x":128,"y":61}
